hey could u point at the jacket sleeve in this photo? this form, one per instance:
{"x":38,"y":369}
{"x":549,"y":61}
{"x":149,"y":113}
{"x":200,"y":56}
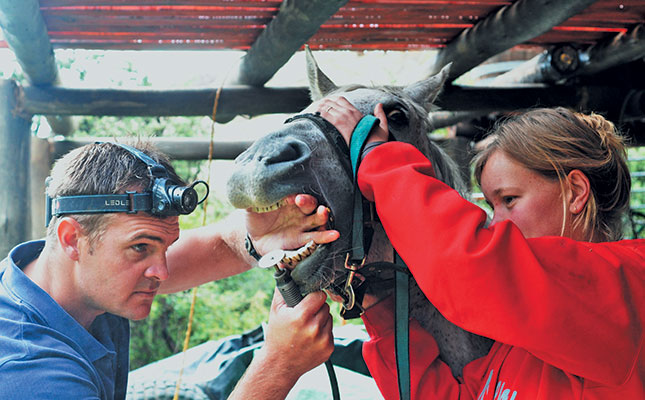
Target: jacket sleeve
{"x":575,"y":305}
{"x":430,"y":378}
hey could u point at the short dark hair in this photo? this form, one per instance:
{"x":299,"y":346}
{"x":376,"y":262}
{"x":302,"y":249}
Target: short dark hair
{"x":102,"y":168}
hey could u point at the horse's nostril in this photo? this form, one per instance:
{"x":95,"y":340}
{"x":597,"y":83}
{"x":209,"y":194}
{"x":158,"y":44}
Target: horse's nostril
{"x":292,"y":151}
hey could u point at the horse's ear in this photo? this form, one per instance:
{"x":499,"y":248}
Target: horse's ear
{"x":319,"y":84}
{"x":426,"y":91}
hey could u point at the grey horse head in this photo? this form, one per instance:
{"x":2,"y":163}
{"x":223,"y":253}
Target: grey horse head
{"x":303,"y":157}
{"x":300,"y":158}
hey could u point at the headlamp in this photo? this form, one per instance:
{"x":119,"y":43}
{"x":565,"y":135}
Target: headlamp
{"x":164,"y":198}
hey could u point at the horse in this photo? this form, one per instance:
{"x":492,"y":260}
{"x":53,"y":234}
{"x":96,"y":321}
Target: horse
{"x":303,"y":157}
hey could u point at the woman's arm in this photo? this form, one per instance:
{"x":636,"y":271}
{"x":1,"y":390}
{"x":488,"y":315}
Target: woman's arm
{"x":576,"y":305}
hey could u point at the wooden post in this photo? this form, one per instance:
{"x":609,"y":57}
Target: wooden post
{"x":41,"y":163}
{"x":15,"y":225}
{"x":26,"y":34}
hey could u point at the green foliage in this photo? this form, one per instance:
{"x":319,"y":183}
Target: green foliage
{"x":637,"y":167}
{"x":223,"y":308}
{"x":636,"y":223}
{"x":140,"y":126}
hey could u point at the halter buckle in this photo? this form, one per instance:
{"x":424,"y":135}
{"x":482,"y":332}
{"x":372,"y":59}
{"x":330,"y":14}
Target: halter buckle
{"x":348,"y":288}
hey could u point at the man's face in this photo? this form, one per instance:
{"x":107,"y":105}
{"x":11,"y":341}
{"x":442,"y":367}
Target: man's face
{"x":123,"y":270}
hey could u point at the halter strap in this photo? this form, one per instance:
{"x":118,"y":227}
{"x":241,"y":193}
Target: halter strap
{"x":402,"y":279}
{"x":332,"y":135}
{"x":357,"y":142}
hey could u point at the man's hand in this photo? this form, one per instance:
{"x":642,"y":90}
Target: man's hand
{"x":291,"y":226}
{"x":299,"y":338}
{"x":296,"y":340}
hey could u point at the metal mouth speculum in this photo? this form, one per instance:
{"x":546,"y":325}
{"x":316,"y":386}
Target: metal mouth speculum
{"x":291,"y":258}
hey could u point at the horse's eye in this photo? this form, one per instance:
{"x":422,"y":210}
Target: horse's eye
{"x":397,"y":117}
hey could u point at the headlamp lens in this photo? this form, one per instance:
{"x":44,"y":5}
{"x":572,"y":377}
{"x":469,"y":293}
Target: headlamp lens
{"x":183,"y":198}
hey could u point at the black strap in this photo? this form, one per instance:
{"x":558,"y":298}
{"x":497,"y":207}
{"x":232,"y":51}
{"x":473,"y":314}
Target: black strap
{"x":101,"y":203}
{"x":332,"y":135}
{"x":154,"y":168}
{"x":248,"y":245}
{"x":375,"y":277}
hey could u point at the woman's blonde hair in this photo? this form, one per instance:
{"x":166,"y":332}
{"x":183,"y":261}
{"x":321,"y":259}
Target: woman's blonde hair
{"x":553,"y":142}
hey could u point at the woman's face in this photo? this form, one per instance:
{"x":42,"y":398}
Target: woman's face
{"x":528,"y":199}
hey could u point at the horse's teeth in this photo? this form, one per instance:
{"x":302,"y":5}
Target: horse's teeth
{"x":294,"y":257}
{"x":272,"y":207}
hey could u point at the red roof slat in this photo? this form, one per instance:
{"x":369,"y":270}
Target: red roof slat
{"x":359,"y":25}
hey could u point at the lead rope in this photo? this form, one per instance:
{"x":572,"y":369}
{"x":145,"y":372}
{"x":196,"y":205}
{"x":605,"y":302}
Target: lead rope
{"x":402,"y":328}
{"x":402,"y":279}
{"x":191,"y":314}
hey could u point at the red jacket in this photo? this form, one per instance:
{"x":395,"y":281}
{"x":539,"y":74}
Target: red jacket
{"x":567,"y":316}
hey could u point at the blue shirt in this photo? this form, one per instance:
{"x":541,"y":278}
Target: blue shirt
{"x":44,"y":352}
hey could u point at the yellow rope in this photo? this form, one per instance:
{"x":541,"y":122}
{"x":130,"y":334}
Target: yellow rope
{"x":194,"y":298}
{"x":186,"y":340}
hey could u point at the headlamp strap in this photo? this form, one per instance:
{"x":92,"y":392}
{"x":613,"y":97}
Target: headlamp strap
{"x":130,"y":202}
{"x":155,"y":169}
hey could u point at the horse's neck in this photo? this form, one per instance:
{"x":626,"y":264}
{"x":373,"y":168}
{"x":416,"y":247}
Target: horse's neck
{"x":381,"y":248}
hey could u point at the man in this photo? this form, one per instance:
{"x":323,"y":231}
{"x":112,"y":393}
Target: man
{"x":65,"y":301}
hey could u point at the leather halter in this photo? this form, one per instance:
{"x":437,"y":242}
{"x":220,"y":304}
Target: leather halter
{"x":362,"y":232}
{"x":332,"y":135}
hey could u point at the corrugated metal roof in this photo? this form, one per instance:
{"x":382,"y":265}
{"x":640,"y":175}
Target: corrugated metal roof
{"x":359,"y":25}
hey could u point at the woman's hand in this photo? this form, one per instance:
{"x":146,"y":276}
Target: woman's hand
{"x":339,"y":112}
{"x":344,"y":116}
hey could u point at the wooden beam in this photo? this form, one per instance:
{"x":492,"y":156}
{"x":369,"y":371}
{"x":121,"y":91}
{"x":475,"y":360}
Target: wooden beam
{"x":511,"y":25}
{"x":564,"y":62}
{"x":15,"y":224}
{"x":491,"y":99}
{"x":442,"y":119}
{"x":233,"y":101}
{"x":26,"y":34}
{"x":184,"y":148}
{"x":257,"y":101}
{"x":294,"y":24}
{"x":621,"y":49}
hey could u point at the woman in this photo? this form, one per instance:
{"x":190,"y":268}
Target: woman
{"x":547,"y":280}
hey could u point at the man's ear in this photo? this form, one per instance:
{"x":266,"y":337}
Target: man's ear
{"x":69,"y":233}
{"x":580,"y":191}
